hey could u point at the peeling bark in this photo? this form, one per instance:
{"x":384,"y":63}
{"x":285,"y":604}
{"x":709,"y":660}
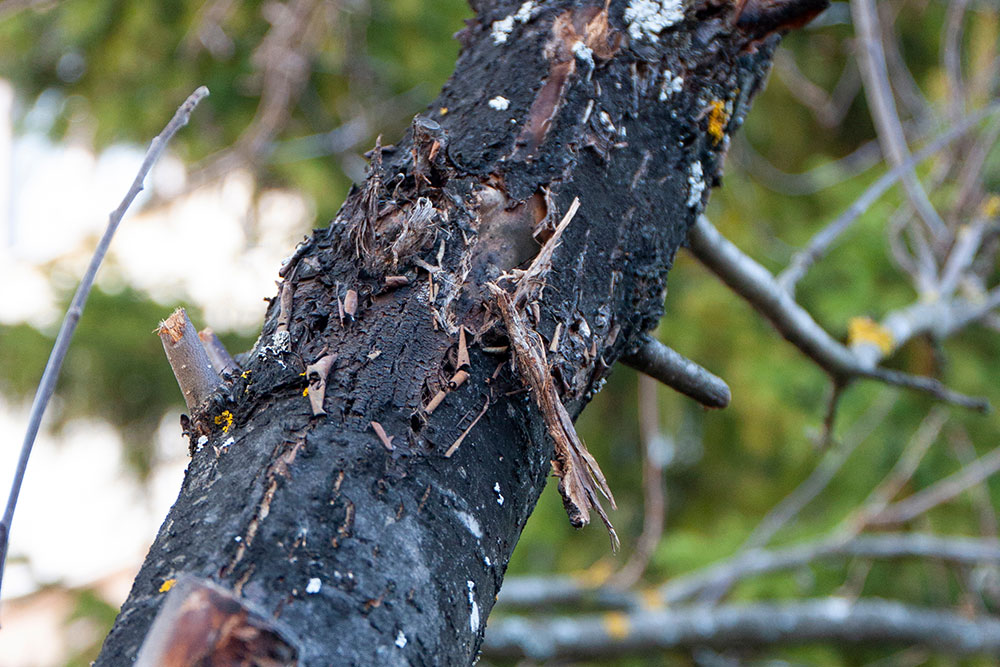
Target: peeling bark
{"x":373,"y":554}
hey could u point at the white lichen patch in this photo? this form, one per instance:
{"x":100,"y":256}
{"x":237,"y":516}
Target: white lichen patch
{"x":473,"y":607}
{"x":470,"y":523}
{"x":696,"y":183}
{"x":500,"y":103}
{"x":400,"y":639}
{"x":496,"y":489}
{"x":281,"y":342}
{"x":648,"y":18}
{"x":671,"y":84}
{"x":606,"y":121}
{"x":313,"y":586}
{"x":501,"y":29}
{"x":583,"y":53}
{"x":523,"y":14}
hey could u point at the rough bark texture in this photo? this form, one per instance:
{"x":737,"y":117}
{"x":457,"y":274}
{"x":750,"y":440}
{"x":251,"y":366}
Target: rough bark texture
{"x":367,"y":550}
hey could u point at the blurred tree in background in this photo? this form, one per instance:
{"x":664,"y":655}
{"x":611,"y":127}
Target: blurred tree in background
{"x":300,"y":89}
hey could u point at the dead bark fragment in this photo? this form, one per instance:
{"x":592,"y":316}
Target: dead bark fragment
{"x":316,"y":374}
{"x":580,"y":477}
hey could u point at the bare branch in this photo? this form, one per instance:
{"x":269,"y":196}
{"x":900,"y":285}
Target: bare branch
{"x":875,"y":78}
{"x":654,"y":501}
{"x":940,"y":318}
{"x":760,"y":624}
{"x":678,"y":372}
{"x":901,"y":473}
{"x":940,"y":492}
{"x":951,"y":54}
{"x":536,"y":592}
{"x":820,"y":477}
{"x":803,"y":260}
{"x":756,"y":284}
{"x":951,"y":549}
{"x":47,"y":384}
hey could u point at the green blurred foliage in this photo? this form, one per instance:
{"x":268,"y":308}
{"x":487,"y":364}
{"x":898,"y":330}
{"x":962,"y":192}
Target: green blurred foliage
{"x":120,"y":68}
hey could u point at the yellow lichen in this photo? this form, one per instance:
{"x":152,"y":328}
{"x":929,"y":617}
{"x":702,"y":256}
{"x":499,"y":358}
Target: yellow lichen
{"x":596,"y":574}
{"x":245,"y":374}
{"x":616,"y":624}
{"x":717,"y":120}
{"x":225,"y":420}
{"x":305,"y":392}
{"x":167,"y":585}
{"x":651,"y":599}
{"x":991,"y":207}
{"x":443,"y":111}
{"x":866,"y":330}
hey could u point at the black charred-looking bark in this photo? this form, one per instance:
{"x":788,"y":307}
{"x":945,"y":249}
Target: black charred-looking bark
{"x":371,"y":550}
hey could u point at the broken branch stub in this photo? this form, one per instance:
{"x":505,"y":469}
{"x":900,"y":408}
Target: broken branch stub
{"x":217,"y":352}
{"x":188,"y":359}
{"x":580,"y":477}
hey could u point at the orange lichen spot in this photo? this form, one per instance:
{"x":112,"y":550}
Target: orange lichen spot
{"x":717,"y":120}
{"x":167,"y":585}
{"x":616,"y":624}
{"x":866,"y":330}
{"x":225,"y":420}
{"x":443,"y":111}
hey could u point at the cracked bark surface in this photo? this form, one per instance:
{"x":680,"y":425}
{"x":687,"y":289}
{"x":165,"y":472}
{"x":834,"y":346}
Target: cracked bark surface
{"x":381,"y":550}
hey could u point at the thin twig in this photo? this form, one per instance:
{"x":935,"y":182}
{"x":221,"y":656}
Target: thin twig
{"x":654,"y":501}
{"x":48,"y":382}
{"x":875,"y":77}
{"x":888,"y":546}
{"x":803,"y":260}
{"x":939,"y":492}
{"x":900,"y":474}
{"x":822,"y":474}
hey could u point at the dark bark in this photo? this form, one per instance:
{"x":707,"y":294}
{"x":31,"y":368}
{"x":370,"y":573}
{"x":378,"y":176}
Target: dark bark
{"x":407,"y":546}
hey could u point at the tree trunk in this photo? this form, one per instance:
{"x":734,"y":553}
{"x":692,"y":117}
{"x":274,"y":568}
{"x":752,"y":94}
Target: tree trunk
{"x":353,"y":533}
